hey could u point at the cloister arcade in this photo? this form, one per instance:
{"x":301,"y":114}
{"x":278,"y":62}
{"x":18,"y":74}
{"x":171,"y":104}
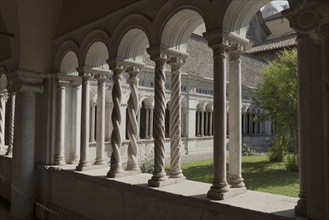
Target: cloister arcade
{"x":99,"y":60}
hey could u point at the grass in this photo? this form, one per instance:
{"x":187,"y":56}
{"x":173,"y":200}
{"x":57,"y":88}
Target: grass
{"x":259,"y":175}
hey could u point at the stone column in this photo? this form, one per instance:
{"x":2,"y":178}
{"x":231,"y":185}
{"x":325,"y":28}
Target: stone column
{"x":251,"y":120}
{"x":219,"y":186}
{"x":108,"y":121}
{"x":210,"y":123}
{"x":3,"y":100}
{"x":139,"y":120}
{"x":116,"y":138}
{"x":60,"y":125}
{"x":151,"y":123}
{"x":310,"y":21}
{"x":159,"y":173}
{"x":175,"y":118}
{"x":92,"y":122}
{"x":202,"y":122}
{"x":76,"y":122}
{"x":11,"y":121}
{"x":198,"y":123}
{"x":133,"y":128}
{"x":85,"y":107}
{"x":27,"y":85}
{"x":100,"y":135}
{"x":235,"y":139}
{"x":207,"y":124}
{"x":147,"y":122}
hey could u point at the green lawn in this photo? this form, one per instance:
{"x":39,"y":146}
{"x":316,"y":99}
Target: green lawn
{"x":259,"y":175}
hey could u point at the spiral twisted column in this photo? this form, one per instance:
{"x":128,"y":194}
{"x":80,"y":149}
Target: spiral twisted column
{"x":85,"y":100}
{"x":159,"y":173}
{"x":175,"y":118}
{"x":133,"y":131}
{"x":11,"y":122}
{"x":116,"y":141}
{"x":3,"y":100}
{"x":100,"y":131}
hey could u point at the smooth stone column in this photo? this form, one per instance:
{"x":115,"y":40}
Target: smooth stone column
{"x":151,"y":123}
{"x":235,"y":139}
{"x":147,"y":122}
{"x":219,"y":186}
{"x":85,"y":102}
{"x":175,"y":118}
{"x":207,"y":124}
{"x":198,"y":123}
{"x":76,"y":122}
{"x":100,"y":135}
{"x":92,"y":123}
{"x":116,"y":138}
{"x":60,"y":125}
{"x":11,"y":123}
{"x":23,"y":173}
{"x":133,"y":128}
{"x":210,"y":123}
{"x":251,"y":119}
{"x":3,"y":100}
{"x":108,"y":111}
{"x":202,"y":122}
{"x":159,"y":173}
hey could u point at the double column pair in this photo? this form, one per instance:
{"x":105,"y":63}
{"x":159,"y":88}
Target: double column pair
{"x":159,"y":175}
{"x":220,"y":188}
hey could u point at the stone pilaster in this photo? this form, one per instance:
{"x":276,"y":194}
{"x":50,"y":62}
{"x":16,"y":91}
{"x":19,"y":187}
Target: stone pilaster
{"x":133,"y":128}
{"x":116,"y":138}
{"x":175,"y":117}
{"x":160,"y":60}
{"x":219,"y":186}
{"x":85,"y":100}
{"x":27,"y":86}
{"x":235,"y":138}
{"x":100,"y":135}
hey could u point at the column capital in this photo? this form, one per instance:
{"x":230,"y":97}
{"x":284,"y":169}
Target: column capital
{"x":133,"y":68}
{"x":158,"y":54}
{"x":235,"y":50}
{"x":75,"y":81}
{"x":176,"y":63}
{"x":84,"y":73}
{"x":4,"y":94}
{"x":308,"y":17}
{"x":22,"y":80}
{"x":116,"y":65}
{"x":101,"y":77}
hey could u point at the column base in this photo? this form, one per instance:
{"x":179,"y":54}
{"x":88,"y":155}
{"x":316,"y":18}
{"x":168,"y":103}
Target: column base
{"x":301,"y":208}
{"x":83,"y":166}
{"x":221,"y":194}
{"x":168,"y":181}
{"x":123,"y":173}
{"x":100,"y":162}
{"x":73,"y":159}
{"x":236,"y":182}
{"x":59,"y":162}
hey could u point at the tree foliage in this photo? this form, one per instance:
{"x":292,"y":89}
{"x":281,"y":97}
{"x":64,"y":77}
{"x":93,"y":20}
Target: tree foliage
{"x":276,"y":94}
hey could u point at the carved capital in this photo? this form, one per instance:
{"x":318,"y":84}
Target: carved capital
{"x":133,"y":68}
{"x":158,"y":55}
{"x":75,"y":81}
{"x":116,"y":66}
{"x":84,"y":73}
{"x":100,"y":77}
{"x":309,"y":17}
{"x":235,"y":51}
{"x":176,"y":63}
{"x":22,"y":80}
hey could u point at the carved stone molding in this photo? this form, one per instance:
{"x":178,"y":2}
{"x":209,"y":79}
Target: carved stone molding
{"x":22,"y":80}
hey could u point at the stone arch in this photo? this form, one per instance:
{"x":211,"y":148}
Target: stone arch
{"x":97,"y":56}
{"x":96,"y":42}
{"x":178,"y":29}
{"x":61,"y":52}
{"x":69,"y":63}
{"x":238,"y":15}
{"x":124,"y":41}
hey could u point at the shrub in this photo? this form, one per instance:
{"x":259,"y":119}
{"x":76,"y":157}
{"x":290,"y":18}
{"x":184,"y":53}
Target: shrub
{"x":146,"y":155}
{"x":277,"y":150}
{"x":292,"y":162}
{"x":247,"y":150}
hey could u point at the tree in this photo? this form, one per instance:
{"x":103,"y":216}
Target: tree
{"x":276,"y":94}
